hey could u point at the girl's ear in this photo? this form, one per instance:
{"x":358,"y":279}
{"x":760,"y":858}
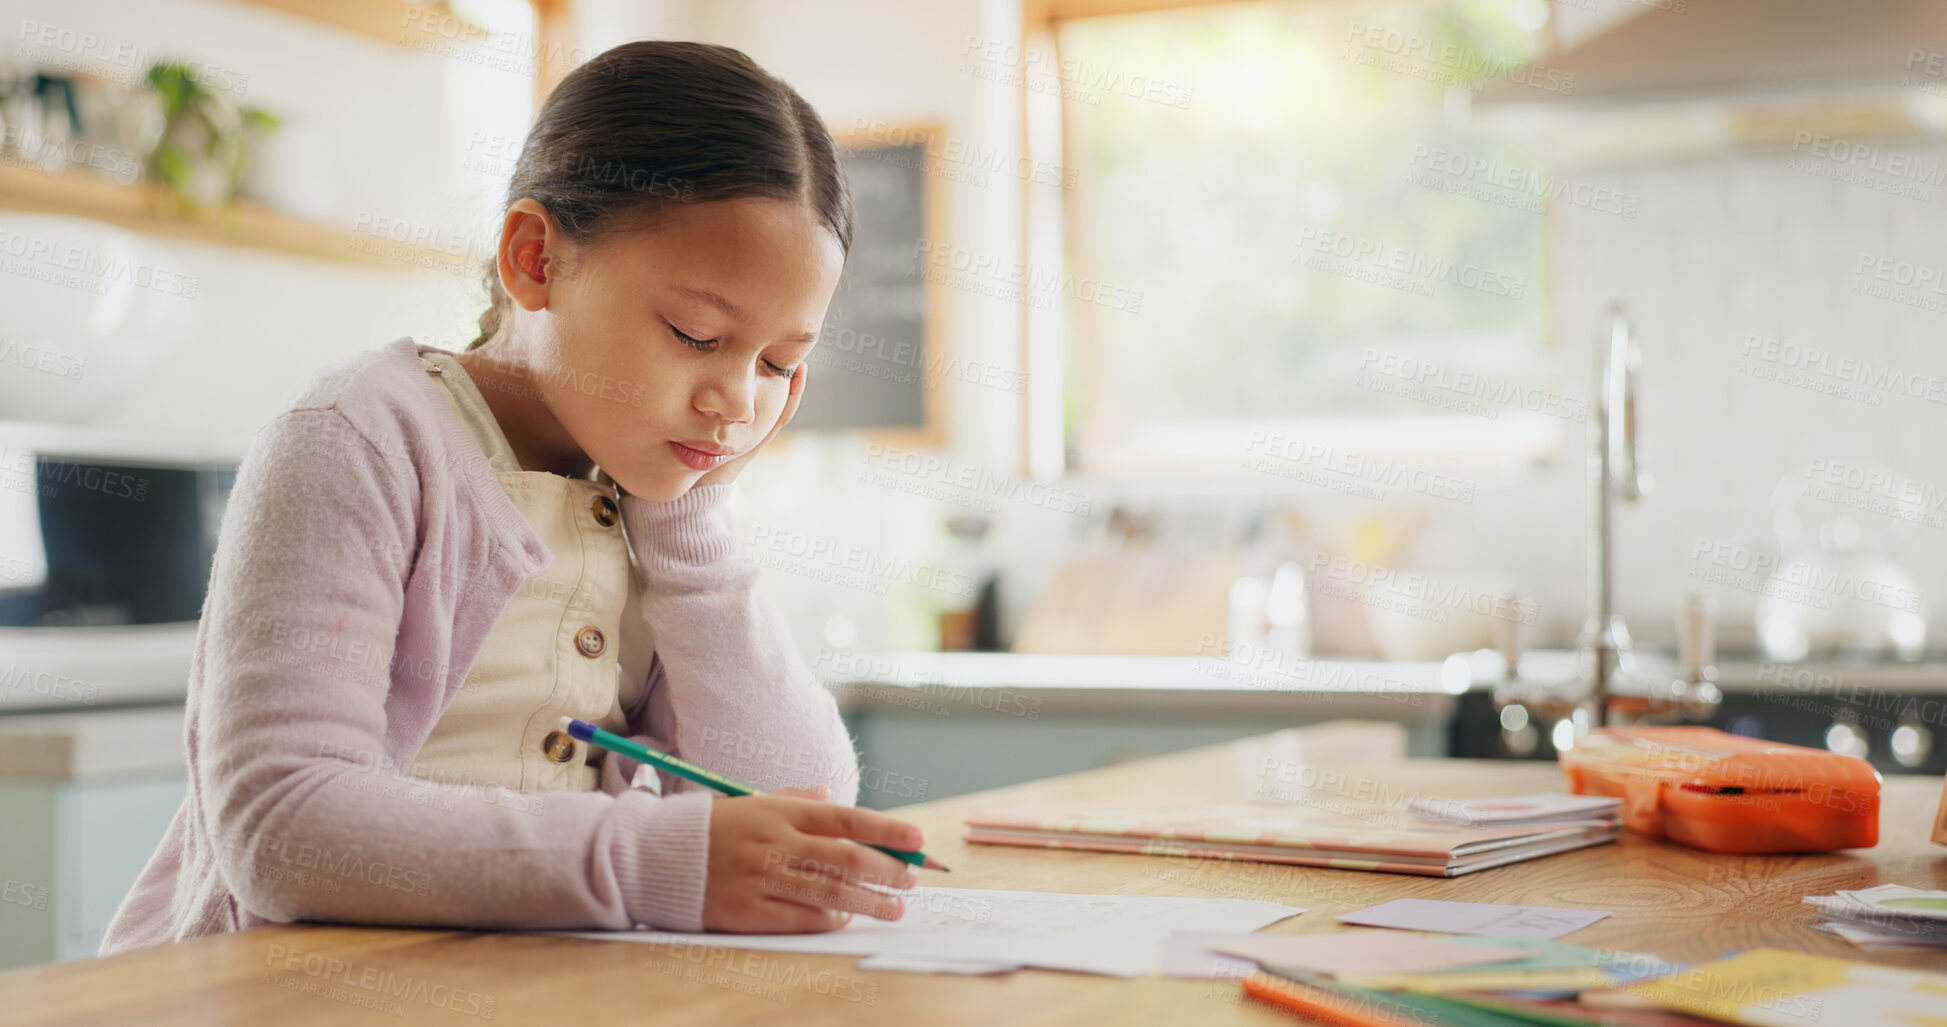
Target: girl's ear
{"x":529,"y":262}
{"x":529,"y":244}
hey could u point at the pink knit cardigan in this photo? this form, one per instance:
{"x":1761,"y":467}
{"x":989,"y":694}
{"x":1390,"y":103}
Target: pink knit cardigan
{"x":366,"y":551}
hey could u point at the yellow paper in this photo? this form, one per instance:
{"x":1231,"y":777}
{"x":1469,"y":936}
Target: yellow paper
{"x":1774,"y":988}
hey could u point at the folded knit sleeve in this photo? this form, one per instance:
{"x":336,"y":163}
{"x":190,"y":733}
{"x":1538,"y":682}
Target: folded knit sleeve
{"x":729,"y":690}
{"x":304,"y":813}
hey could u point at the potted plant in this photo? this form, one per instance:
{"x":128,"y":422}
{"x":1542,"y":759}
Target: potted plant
{"x":206,"y":140}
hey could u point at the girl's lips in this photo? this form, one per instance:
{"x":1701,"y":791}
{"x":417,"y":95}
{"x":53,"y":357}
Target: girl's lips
{"x":696,"y":459}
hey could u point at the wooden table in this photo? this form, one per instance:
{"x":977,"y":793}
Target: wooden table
{"x":1670,"y":901}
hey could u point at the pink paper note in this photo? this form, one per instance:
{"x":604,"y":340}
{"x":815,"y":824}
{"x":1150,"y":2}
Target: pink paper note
{"x":1366,"y":952}
{"x":1188,"y":954}
{"x":1474,"y":917}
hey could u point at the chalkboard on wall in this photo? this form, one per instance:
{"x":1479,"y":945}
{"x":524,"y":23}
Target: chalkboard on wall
{"x":877,"y":362}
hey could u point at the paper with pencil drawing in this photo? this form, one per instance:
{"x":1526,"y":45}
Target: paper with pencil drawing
{"x":1118,"y":935}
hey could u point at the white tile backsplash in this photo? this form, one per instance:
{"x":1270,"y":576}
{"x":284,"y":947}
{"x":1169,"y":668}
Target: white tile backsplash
{"x":1728,"y":248}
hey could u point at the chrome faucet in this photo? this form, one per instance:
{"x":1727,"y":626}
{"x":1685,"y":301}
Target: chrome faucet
{"x":1604,"y":657}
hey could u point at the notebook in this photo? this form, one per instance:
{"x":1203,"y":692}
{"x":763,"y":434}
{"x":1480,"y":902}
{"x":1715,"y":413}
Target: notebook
{"x":1545,"y":808}
{"x":1280,"y":833}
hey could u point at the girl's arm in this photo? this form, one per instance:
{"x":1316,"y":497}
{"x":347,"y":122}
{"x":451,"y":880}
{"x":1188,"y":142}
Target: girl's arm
{"x":292,"y":697}
{"x":728,"y":690}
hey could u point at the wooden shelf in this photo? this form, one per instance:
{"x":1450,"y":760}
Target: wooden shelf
{"x":416,"y":26}
{"x":151,"y":209}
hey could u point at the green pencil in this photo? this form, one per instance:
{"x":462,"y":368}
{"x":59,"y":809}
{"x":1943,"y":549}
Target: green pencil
{"x":682,"y":768}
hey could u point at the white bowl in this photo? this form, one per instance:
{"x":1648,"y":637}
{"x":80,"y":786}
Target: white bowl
{"x":90,"y":310}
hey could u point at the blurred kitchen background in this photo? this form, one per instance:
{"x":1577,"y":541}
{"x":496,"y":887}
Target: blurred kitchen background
{"x":1201,"y":368}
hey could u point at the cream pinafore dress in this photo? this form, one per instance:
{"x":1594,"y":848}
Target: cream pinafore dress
{"x":570,"y":642}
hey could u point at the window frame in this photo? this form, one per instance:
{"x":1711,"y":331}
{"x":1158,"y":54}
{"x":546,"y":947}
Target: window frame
{"x":1100,"y":450}
{"x":554,"y":35}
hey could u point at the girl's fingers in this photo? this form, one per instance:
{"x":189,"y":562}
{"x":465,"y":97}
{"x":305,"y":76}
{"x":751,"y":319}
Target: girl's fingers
{"x":783,"y":916}
{"x":868,"y":826}
{"x":833,"y":893}
{"x":728,"y":471}
{"x":854,"y":864}
{"x":796,"y":394}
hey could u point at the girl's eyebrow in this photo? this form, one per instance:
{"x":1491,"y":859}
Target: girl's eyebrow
{"x":734,"y":312}
{"x":705,"y":295}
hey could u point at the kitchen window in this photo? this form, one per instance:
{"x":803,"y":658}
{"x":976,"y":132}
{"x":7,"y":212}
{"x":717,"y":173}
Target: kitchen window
{"x":1278,"y":228}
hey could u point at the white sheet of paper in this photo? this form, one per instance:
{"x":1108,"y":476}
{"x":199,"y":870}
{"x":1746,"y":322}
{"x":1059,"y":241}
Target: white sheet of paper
{"x":1118,"y":935}
{"x":1474,"y":917}
{"x":934,"y":965}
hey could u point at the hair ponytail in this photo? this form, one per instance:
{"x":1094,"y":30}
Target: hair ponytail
{"x":651,"y":123}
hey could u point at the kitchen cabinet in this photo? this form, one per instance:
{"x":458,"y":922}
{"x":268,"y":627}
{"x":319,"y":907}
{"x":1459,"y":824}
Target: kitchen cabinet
{"x":85,"y":797}
{"x":932,"y":725}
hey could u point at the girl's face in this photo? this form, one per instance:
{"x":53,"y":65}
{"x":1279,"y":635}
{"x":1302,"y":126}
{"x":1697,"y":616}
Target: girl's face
{"x":669,"y":350}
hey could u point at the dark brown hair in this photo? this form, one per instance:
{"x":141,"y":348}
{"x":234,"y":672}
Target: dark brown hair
{"x":654,"y":122}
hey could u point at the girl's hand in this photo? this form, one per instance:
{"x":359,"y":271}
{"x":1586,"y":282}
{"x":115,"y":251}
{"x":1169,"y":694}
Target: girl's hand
{"x":780,"y":864}
{"x":725,"y":473}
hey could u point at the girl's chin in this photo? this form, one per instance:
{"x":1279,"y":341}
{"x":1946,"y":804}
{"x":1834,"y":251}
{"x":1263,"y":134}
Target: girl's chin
{"x":660,"y":488}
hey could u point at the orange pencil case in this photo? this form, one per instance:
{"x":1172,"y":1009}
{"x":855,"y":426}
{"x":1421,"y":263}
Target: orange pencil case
{"x":1720,"y":792}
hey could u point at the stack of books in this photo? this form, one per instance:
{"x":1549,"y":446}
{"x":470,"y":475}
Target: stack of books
{"x":1544,"y":808}
{"x":1377,"y":839}
{"x":1890,"y":916}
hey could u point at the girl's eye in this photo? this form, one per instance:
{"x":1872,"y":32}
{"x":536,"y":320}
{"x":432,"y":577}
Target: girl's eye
{"x":706,"y":345}
{"x":702,"y":344}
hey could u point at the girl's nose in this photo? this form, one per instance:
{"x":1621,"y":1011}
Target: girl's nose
{"x":731,"y":397}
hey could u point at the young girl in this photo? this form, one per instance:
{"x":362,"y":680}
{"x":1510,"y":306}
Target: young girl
{"x":429,"y":558}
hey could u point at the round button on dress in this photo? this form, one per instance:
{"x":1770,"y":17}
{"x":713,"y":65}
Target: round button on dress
{"x":558,"y":746}
{"x":606,"y":512}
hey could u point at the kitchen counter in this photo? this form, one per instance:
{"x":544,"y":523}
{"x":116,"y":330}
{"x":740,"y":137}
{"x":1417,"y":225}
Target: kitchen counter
{"x":1134,"y":685}
{"x":1741,"y":673}
{"x":76,"y":668}
{"x":1082,"y":682}
{"x":101,"y":745}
